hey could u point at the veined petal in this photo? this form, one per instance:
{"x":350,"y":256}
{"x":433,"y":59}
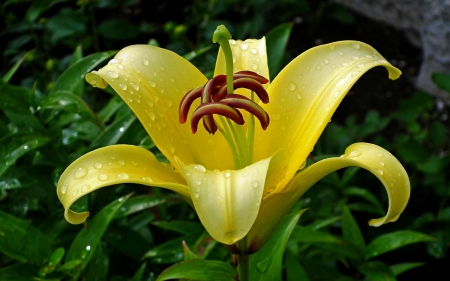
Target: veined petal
{"x":249,"y":55}
{"x":227,"y":202}
{"x":305,"y":94}
{"x":114,"y":165}
{"x":153,"y":82}
{"x":373,"y":158}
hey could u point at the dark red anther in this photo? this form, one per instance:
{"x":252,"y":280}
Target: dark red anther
{"x":215,"y":108}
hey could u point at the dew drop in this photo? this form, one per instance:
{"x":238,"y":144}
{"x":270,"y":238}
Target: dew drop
{"x":292,"y":86}
{"x":114,"y":61}
{"x":233,"y":42}
{"x":356,"y":45}
{"x":25,"y":147}
{"x":336,"y":94}
{"x":195,"y":194}
{"x":112,"y":74}
{"x":331,"y":47}
{"x":341,"y":53}
{"x":123,"y":86}
{"x":344,"y":64}
{"x":327,"y":109}
{"x":243,"y":47}
{"x":355,"y":58}
{"x":81,"y":172}
{"x":135,"y":86}
{"x":326,"y":61}
{"x":245,"y":174}
{"x":198,"y":182}
{"x":226,"y":175}
{"x":254,"y":66}
{"x":75,"y":192}
{"x":255,"y":184}
{"x":299,"y":96}
{"x":64,"y":188}
{"x":122,"y":176}
{"x":360,"y":65}
{"x":318,"y":67}
{"x":168,"y":102}
{"x":134,"y":164}
{"x":333,"y":66}
{"x":145,"y":62}
{"x":354,"y":153}
{"x":85,"y":188}
{"x":102,"y":177}
{"x":379,"y":154}
{"x":121,"y":163}
{"x":152,"y":83}
{"x":354,"y":73}
{"x":379,"y":171}
{"x":199,"y":168}
{"x":381,"y":163}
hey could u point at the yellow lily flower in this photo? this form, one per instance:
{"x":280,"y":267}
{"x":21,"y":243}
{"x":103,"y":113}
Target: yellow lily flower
{"x":239,"y":205}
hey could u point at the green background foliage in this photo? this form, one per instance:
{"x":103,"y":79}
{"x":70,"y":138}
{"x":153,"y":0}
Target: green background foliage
{"x":49,"y":116}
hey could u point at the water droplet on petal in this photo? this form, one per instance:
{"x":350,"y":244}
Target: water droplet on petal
{"x":299,"y":96}
{"x":226,"y":175}
{"x":145,"y":62}
{"x":379,"y":154}
{"x":123,"y":86}
{"x":253,"y":50}
{"x":354,"y":153}
{"x":122,"y":176}
{"x":381,"y":163}
{"x":114,"y":61}
{"x":355,"y":58}
{"x":356,"y":45}
{"x":341,"y":53}
{"x":85,"y":188}
{"x":195,"y":194}
{"x":112,"y":74}
{"x":326,"y":61}
{"x":135,"y":86}
{"x":244,"y":47}
{"x":81,"y":172}
{"x":344,"y":64}
{"x":233,"y":42}
{"x":336,"y":94}
{"x":134,"y":164}
{"x":198,"y":182}
{"x":102,"y":177}
{"x":327,"y":109}
{"x":245,"y":174}
{"x":121,"y":163}
{"x":199,"y":168}
{"x":255,"y":184}
{"x":75,"y":192}
{"x":379,"y":171}
{"x":64,"y":188}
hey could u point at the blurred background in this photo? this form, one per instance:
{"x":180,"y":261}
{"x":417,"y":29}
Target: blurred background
{"x":48,"y":119}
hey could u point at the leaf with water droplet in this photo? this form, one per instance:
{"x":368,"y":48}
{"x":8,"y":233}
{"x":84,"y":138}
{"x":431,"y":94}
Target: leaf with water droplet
{"x":201,"y":270}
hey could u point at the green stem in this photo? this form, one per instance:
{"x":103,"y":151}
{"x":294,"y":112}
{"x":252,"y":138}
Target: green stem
{"x":239,"y":142}
{"x":243,"y":267}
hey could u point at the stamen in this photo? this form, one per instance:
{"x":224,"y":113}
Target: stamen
{"x":248,"y":105}
{"x":215,"y":108}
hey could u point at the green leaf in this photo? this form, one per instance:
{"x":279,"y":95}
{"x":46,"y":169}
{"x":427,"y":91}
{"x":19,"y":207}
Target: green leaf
{"x":139,"y":273}
{"x":10,"y":156}
{"x":16,"y":99}
{"x":391,"y":241}
{"x":377,"y":271}
{"x":66,"y":23}
{"x":128,"y":241}
{"x":403,"y":267}
{"x":183,"y":227}
{"x":350,"y":230}
{"x":442,"y":80}
{"x":63,"y":100}
{"x":113,"y":105}
{"x":19,"y":272}
{"x":367,"y":195}
{"x":277,"y":39}
{"x":21,"y":241}
{"x":266,"y":264}
{"x":87,"y":240}
{"x":38,"y":7}
{"x":171,"y":248}
{"x":187,"y":253}
{"x":294,"y":270}
{"x":74,"y":75}
{"x":13,"y":69}
{"x":98,"y":268}
{"x":139,"y":203}
{"x":77,"y":55}
{"x":306,"y":235}
{"x":200,"y":270}
{"x":113,"y":132}
{"x":117,"y":29}
{"x":194,"y":54}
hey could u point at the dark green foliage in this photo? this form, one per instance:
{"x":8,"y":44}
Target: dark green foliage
{"x":49,"y":116}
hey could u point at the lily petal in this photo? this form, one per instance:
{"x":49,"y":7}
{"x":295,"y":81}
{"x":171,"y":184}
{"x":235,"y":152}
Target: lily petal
{"x":373,"y":158}
{"x":305,"y":94}
{"x":227,"y":202}
{"x":248,"y":55}
{"x":114,"y":165}
{"x":153,"y":81}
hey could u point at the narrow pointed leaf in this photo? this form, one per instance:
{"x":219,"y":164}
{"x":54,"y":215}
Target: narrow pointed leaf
{"x":113,"y":132}
{"x":266,"y":264}
{"x":21,"y":241}
{"x":13,"y":69}
{"x":19,"y":272}
{"x":139,"y":203}
{"x":294,"y":270}
{"x":277,"y":39}
{"x":403,"y":267}
{"x":139,"y":273}
{"x":200,"y":270}
{"x":87,"y":240}
{"x":183,"y":227}
{"x":74,"y":75}
{"x":377,"y":271}
{"x":351,"y":231}
{"x":394,"y":240}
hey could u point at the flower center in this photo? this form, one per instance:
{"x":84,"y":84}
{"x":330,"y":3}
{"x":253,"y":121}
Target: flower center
{"x":218,"y":98}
